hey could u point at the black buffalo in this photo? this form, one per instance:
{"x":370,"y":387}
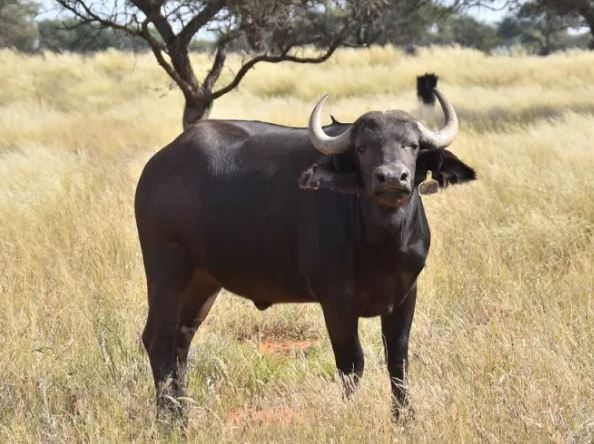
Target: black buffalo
{"x":278,"y":214}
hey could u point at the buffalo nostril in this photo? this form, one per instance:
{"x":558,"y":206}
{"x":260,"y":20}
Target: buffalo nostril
{"x":404,"y":177}
{"x":380,"y":177}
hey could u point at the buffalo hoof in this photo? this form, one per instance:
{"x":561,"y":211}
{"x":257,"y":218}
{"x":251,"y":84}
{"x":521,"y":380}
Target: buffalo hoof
{"x":172,"y":412}
{"x":402,"y":413}
{"x":349,"y":385}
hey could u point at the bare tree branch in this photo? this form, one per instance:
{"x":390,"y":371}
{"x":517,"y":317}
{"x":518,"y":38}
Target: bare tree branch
{"x":158,"y":53}
{"x":217,"y":66}
{"x":493,"y":5}
{"x":152,"y":11}
{"x":199,"y":21}
{"x":88,"y":16}
{"x":284,"y":56}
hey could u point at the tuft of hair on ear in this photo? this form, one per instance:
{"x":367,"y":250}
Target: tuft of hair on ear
{"x":426,"y":85}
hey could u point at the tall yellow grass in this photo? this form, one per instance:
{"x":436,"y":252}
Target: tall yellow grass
{"x":503,"y":340}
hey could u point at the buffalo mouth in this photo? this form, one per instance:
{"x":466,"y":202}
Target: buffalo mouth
{"x":392,"y":195}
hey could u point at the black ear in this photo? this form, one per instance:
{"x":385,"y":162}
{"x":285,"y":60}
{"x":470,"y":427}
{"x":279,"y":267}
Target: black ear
{"x":454,"y":171}
{"x":336,"y":173}
{"x":445,"y":167}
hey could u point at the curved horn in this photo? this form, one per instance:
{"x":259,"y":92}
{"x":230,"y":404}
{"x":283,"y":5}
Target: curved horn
{"x":321,"y":141}
{"x":445,"y":136}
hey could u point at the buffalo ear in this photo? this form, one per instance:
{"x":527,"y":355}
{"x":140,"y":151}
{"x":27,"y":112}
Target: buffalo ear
{"x":445,"y":167}
{"x":334,"y":173}
{"x":454,"y":171}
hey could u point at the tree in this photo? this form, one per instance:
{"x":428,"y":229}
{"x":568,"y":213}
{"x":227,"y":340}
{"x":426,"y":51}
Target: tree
{"x":402,"y":22}
{"x":466,"y":31}
{"x":76,"y":36}
{"x":538,"y":28}
{"x":427,"y":22}
{"x":271,"y":31}
{"x":510,"y":31}
{"x":17,"y":28}
{"x":572,"y":10}
{"x":471,"y":33}
{"x":406,"y":22}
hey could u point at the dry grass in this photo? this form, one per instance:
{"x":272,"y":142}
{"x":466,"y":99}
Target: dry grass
{"x":503,"y":341}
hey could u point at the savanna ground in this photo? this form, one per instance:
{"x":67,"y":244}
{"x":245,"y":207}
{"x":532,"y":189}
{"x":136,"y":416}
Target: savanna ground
{"x":503,"y":339}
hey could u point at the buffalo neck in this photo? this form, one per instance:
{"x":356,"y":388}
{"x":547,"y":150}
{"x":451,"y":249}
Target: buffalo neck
{"x":391,"y":227}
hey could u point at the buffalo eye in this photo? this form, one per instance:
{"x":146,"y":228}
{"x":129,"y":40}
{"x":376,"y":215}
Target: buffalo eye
{"x":414,"y":146}
{"x":361,"y":148}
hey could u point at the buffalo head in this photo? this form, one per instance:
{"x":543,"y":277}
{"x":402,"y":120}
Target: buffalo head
{"x":379,"y":154}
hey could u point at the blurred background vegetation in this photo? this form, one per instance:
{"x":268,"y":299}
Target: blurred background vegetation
{"x":531,"y":26}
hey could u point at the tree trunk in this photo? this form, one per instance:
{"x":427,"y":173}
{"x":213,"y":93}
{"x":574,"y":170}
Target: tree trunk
{"x":198,"y":102}
{"x":590,"y":21}
{"x":588,"y":15}
{"x":195,"y":110}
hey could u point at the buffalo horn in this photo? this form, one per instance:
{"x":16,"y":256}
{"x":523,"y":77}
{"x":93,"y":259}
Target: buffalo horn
{"x":321,"y":141}
{"x":445,"y":136}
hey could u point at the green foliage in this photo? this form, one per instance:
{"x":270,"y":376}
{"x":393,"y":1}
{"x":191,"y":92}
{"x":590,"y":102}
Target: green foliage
{"x":539,"y":30}
{"x":75,"y":36}
{"x":418,"y":22}
{"x":465,"y":31}
{"x":17,"y":28}
{"x":574,"y":12}
{"x":407,"y":22}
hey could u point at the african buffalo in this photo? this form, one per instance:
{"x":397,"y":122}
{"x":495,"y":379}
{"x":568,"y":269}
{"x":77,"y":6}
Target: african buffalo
{"x":277,"y":214}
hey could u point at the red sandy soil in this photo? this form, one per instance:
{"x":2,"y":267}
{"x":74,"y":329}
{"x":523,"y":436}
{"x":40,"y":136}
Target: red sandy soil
{"x":281,"y":414}
{"x":284,"y":346}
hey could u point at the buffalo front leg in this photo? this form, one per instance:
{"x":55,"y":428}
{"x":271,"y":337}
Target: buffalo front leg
{"x":395,"y":331}
{"x":342,"y":323}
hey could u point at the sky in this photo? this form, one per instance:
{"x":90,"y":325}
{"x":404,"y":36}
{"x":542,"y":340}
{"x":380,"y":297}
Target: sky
{"x":49,"y":10}
{"x":489,"y":15}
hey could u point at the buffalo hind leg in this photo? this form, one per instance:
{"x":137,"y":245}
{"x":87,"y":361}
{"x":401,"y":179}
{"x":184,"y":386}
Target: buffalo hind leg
{"x":168,"y":272}
{"x":342,"y":324}
{"x":197,"y":300}
{"x":395,"y":333}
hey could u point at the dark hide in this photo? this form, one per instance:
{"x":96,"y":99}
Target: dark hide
{"x":230,"y":204}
